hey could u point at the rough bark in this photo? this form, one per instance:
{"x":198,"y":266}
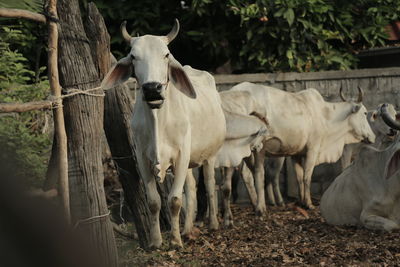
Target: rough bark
{"x":118,"y":111}
{"x":118,"y":107}
{"x":84,"y":124}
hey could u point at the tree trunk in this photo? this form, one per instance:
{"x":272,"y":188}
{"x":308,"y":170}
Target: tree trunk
{"x":118,"y":108}
{"x":84,"y":124}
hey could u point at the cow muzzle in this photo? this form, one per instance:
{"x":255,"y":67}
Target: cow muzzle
{"x":153,"y":94}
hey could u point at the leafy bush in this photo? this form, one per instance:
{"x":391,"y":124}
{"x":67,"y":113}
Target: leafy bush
{"x":259,"y":35}
{"x":21,"y":135}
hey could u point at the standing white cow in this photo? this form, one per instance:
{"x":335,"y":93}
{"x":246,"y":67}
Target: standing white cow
{"x":245,"y":131}
{"x":178,"y":123}
{"x":306,"y":127}
{"x":384,"y":134}
{"x":367,"y":192}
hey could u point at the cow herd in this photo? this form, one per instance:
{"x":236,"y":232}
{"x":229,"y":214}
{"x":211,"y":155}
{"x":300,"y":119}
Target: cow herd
{"x":180,"y":122}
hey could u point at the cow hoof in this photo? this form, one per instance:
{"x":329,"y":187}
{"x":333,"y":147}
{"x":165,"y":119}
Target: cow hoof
{"x":228,"y":224}
{"x":281,"y":204}
{"x":191,"y":235}
{"x":261,"y":211}
{"x":214,"y":225}
{"x":310,"y":206}
{"x":155,"y":245}
{"x":176,"y":243}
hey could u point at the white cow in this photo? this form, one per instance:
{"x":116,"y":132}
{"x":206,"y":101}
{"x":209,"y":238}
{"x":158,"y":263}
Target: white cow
{"x":384,"y":134}
{"x":178,"y":123}
{"x":306,"y":127}
{"x":384,"y":137}
{"x":367,"y":192}
{"x":245,"y":131}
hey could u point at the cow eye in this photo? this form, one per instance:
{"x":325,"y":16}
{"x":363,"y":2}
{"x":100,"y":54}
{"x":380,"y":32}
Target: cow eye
{"x":365,"y":113}
{"x":167,"y":55}
{"x":132,"y":57}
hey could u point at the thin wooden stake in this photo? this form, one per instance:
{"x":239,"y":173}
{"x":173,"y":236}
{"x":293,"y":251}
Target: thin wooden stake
{"x":63,"y":186}
{"x":20,"y":13}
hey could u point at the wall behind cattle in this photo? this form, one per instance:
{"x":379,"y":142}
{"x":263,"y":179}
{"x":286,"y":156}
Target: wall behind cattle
{"x":379,"y":85}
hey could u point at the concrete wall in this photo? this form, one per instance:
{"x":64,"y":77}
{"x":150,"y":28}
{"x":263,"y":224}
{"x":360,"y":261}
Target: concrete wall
{"x":379,"y":85}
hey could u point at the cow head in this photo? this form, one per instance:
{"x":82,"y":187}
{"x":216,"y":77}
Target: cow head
{"x":153,"y":66}
{"x":385,"y":162}
{"x":357,"y":118}
{"x":384,"y":121}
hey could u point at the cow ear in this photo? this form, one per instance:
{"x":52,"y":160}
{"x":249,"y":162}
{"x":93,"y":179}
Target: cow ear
{"x":374,"y":115}
{"x":355,"y":108}
{"x":180,"y":79}
{"x":119,"y":73}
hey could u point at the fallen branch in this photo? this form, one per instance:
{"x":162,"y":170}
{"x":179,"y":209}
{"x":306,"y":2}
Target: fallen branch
{"x":20,"y":13}
{"x":23,"y":107}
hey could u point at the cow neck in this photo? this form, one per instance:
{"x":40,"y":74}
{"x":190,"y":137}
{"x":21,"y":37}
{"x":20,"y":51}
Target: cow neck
{"x":158,"y":121}
{"x":337,"y":132}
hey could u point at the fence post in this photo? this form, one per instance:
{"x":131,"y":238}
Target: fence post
{"x":59,"y":126}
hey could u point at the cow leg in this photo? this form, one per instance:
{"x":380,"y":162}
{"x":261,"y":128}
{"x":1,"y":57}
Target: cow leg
{"x":299,"y":177}
{"x":275,"y":181}
{"x":261,"y":208}
{"x":175,"y":196}
{"x":209,"y":180}
{"x":226,"y":189}
{"x":190,"y":191}
{"x":154,"y":201}
{"x":309,"y":165}
{"x":249,"y":182}
{"x":375,"y":222}
{"x":270,"y":189}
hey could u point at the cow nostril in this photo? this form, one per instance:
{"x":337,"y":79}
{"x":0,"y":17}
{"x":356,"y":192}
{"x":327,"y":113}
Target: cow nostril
{"x":152,"y":86}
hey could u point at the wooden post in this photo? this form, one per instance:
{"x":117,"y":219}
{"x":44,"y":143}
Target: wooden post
{"x":118,"y":107}
{"x":59,"y":126}
{"x":84,"y":125}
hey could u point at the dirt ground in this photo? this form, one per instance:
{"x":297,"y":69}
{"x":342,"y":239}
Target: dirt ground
{"x":289,"y":236}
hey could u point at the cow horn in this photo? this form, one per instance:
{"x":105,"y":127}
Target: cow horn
{"x":360,"y":94}
{"x":341,"y":94}
{"x":124,"y":32}
{"x":387,"y":119}
{"x":173,"y":33}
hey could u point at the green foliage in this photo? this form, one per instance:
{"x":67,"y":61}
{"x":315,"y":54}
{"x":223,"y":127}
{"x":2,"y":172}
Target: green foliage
{"x":299,"y":35}
{"x":31,"y":5}
{"x":259,"y":35}
{"x":21,"y":136}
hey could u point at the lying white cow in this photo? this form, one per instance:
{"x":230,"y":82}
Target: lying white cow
{"x":178,"y":123}
{"x":384,"y":134}
{"x":367,"y":192}
{"x":306,"y":127}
